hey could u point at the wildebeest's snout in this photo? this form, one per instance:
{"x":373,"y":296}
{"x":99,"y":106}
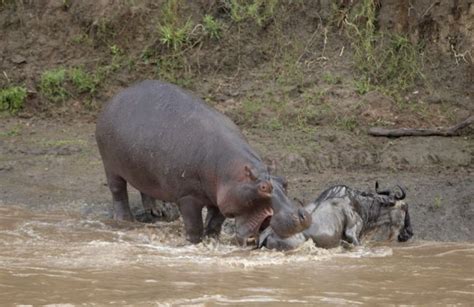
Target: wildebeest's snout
{"x":288,"y":223}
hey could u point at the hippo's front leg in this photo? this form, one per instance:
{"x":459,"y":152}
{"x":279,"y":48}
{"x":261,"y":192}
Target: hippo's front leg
{"x":214,"y":221}
{"x":191,"y":211}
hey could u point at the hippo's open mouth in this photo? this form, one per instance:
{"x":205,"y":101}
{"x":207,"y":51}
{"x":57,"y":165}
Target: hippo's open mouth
{"x":249,"y":225}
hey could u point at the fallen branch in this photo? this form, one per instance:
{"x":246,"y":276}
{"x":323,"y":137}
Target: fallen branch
{"x":449,"y":131}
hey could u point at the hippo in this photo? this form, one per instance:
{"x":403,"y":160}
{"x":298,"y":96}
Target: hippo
{"x":341,"y":214}
{"x":171,"y":146}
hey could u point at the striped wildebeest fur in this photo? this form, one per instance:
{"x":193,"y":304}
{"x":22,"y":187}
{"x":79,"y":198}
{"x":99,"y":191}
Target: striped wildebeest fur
{"x":342,"y":214}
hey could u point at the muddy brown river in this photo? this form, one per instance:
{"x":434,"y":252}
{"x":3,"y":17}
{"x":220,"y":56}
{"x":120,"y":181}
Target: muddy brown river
{"x":56,"y":257}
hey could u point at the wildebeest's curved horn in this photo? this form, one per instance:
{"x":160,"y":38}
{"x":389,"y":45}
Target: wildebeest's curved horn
{"x":400,"y":196}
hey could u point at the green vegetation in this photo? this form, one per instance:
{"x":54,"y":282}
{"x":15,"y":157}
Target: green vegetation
{"x":82,"y":38}
{"x":12,"y":99}
{"x":52,"y":84}
{"x":257,"y":10}
{"x":348,"y":123}
{"x":331,"y":79}
{"x":175,"y":69}
{"x":174,"y":32}
{"x":290,"y":68}
{"x":175,"y":37}
{"x":362,"y":86}
{"x":60,"y":142}
{"x":83,"y":81}
{"x":60,"y":83}
{"x":389,"y":62}
{"x":212,"y":27}
{"x":14,"y":131}
{"x":280,"y":114}
{"x":438,"y":201}
{"x":8,"y":3}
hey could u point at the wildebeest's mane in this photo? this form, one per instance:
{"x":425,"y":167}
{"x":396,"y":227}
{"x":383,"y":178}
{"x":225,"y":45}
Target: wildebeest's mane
{"x":336,"y":191}
{"x":367,"y":205}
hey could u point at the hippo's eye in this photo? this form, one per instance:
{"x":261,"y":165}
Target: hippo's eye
{"x":265,"y":187}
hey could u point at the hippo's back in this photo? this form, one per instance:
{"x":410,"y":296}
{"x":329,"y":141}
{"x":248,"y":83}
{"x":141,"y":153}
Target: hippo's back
{"x":159,"y":105}
{"x":154,"y":133}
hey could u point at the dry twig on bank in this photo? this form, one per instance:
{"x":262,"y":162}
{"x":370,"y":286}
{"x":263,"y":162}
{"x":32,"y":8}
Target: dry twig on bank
{"x":441,"y":131}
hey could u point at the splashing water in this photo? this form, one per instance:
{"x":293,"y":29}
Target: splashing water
{"x":49,"y":257}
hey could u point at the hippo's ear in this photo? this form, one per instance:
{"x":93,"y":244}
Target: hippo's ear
{"x":250,"y":173}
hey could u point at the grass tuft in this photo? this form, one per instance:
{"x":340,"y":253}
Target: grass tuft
{"x":12,"y":99}
{"x":212,"y":27}
{"x":52,"y":84}
{"x":83,"y":81}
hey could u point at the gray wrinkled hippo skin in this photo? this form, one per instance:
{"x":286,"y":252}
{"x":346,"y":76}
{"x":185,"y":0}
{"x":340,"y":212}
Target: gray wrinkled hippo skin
{"x":171,"y":146}
{"x":343,"y":214}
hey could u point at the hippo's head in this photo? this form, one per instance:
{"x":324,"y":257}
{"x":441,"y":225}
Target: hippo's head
{"x":261,"y":200}
{"x":393,"y":220}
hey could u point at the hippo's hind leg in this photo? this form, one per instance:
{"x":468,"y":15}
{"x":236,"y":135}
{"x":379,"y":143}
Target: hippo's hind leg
{"x":214,"y":221}
{"x":118,"y":187}
{"x":191,"y":211}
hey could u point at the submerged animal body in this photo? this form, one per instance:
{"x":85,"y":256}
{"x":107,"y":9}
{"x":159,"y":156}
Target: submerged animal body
{"x":344,"y":214}
{"x":171,"y":146}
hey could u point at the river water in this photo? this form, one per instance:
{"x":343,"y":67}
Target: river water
{"x":61,"y":258}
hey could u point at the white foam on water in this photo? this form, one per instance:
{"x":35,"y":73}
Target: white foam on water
{"x":84,"y":243}
{"x":223,"y":299}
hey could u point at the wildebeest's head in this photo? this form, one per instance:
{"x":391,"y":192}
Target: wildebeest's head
{"x":392,"y":218}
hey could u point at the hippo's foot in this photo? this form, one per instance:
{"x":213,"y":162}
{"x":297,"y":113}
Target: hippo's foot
{"x":122,"y":212}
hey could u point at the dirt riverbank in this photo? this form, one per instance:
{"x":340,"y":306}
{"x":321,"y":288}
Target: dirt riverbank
{"x":51,"y":165}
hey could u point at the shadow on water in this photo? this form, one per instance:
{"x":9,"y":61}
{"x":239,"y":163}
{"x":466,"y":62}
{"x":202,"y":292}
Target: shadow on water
{"x":49,"y":257}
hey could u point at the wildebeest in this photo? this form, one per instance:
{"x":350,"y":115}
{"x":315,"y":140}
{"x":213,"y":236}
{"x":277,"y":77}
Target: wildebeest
{"x":342,"y":214}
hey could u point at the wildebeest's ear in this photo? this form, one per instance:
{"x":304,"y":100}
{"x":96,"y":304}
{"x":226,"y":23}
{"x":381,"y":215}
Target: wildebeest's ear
{"x":250,"y":173}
